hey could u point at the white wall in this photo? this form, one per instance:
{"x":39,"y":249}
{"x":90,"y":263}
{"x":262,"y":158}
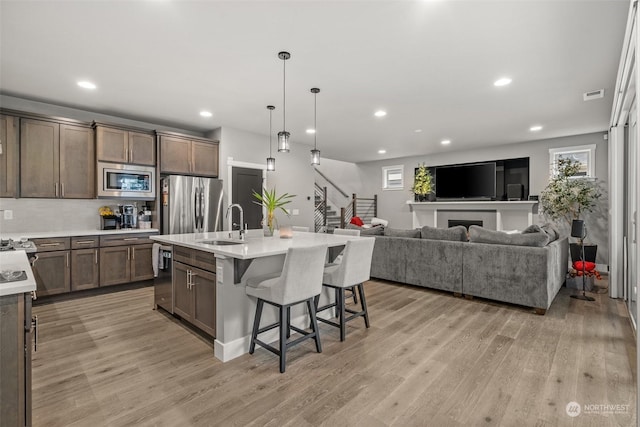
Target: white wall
{"x":392,"y":204}
{"x":347,"y":176}
{"x":293,"y":174}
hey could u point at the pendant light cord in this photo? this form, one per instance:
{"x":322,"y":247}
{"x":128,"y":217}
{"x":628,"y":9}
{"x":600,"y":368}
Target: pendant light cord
{"x":270,"y":113}
{"x":315,"y":121}
{"x":284,"y":94}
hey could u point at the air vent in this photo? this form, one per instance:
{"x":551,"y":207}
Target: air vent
{"x":594,"y":94}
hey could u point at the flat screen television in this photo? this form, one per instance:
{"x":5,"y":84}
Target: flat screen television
{"x":471,"y":181}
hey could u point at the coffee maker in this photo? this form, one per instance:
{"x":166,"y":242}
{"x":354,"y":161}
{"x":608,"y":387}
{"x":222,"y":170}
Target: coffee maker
{"x":129,"y":217}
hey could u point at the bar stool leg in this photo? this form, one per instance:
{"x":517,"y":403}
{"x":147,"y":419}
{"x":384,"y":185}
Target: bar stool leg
{"x":256,"y":326}
{"x":314,"y":323}
{"x":337,"y":296}
{"x":283,"y":337}
{"x":288,"y":321}
{"x":343,"y":323}
{"x":355,"y":297}
{"x":363,"y":302}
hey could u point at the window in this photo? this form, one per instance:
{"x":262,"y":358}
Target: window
{"x":393,"y":177}
{"x":585,"y":154}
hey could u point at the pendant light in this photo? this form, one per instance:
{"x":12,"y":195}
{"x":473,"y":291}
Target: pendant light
{"x":315,"y":153}
{"x":283,"y":135}
{"x":271,"y":162}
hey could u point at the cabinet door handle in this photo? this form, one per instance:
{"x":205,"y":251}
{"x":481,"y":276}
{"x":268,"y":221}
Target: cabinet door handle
{"x":130,"y":155}
{"x":84,"y":242}
{"x":55,"y":185}
{"x":130,"y":238}
{"x":128,"y":253}
{"x":96,"y":252}
{"x":44,"y":245}
{"x":34,"y":324}
{"x":133,"y":253}
{"x":67,"y":259}
{"x":0,"y":148}
{"x":192,"y":282}
{"x":126,"y":154}
{"x":188,"y":279}
{"x":62,"y":189}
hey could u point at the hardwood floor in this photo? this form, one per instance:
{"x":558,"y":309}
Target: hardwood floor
{"x":428,"y":359}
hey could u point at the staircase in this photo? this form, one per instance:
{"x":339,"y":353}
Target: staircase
{"x":327,"y":219}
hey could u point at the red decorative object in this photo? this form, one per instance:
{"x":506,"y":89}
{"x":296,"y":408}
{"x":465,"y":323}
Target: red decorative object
{"x":589,"y":270}
{"x":588,"y":266}
{"x":356,"y":220}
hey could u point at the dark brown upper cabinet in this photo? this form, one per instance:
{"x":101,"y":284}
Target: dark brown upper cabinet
{"x":180,"y":154}
{"x":120,"y":145}
{"x":57,"y":160}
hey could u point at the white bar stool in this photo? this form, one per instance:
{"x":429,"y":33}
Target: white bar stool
{"x":299,"y":282}
{"x":346,"y":232}
{"x":352,"y":272}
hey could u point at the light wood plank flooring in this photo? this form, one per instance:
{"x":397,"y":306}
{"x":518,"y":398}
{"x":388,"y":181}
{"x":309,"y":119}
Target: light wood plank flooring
{"x":428,"y":359}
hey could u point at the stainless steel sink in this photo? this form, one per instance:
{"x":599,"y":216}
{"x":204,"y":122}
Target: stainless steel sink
{"x":220,"y":242}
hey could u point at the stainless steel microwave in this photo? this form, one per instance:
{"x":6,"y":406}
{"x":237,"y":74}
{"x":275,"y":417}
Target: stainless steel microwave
{"x":126,"y":181}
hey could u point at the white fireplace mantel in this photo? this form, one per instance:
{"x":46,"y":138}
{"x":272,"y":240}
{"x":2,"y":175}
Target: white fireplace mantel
{"x":514,"y":215}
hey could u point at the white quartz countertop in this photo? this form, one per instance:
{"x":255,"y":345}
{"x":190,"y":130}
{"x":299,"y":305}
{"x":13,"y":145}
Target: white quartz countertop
{"x":253,"y":246}
{"x":16,"y":261}
{"x":72,"y":233}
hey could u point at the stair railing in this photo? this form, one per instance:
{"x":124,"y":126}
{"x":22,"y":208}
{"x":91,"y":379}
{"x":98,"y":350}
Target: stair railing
{"x":363,"y":207}
{"x":320,"y":209}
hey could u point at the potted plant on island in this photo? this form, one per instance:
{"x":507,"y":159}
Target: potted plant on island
{"x":422,"y":184}
{"x":271,"y":203}
{"x":568,"y":196}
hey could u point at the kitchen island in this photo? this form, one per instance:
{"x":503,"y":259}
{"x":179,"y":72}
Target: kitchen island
{"x":234,"y":264}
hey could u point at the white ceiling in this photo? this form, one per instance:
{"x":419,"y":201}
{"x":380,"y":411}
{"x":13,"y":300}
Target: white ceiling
{"x":430,"y":64}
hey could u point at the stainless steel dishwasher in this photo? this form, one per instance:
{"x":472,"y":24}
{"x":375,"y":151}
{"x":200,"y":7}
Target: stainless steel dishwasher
{"x":163,"y":289}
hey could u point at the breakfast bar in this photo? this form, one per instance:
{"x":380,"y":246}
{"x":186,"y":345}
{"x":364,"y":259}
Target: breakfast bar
{"x":236,"y":261}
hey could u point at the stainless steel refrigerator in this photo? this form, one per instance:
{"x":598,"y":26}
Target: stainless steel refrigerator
{"x":191,"y":204}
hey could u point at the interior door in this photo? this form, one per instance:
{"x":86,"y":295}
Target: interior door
{"x":244,"y":182}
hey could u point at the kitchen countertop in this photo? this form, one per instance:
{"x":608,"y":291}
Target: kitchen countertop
{"x":72,"y":233}
{"x":16,"y":260}
{"x":253,"y":246}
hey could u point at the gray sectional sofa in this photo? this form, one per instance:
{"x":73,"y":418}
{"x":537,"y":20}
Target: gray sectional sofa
{"x":518,"y":269}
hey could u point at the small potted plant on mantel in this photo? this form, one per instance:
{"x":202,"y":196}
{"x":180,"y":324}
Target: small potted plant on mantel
{"x":423,"y":185}
{"x":271,"y":203}
{"x":568,"y":196}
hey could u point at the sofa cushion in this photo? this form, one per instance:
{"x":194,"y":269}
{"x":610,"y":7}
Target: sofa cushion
{"x":482,"y":235}
{"x":453,"y":234}
{"x":372,"y":231}
{"x":394,"y":232}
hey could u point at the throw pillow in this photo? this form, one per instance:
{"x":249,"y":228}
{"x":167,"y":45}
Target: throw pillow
{"x":482,"y":235}
{"x":394,"y":232}
{"x":551,"y":231}
{"x":532,"y":229}
{"x":357,"y":221}
{"x":453,"y":234}
{"x":379,"y":221}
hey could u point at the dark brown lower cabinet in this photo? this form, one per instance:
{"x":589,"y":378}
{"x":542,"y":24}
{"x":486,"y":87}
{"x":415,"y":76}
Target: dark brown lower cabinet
{"x":85,"y":269}
{"x":115,"y":265}
{"x":52,"y":272}
{"x":195,"y":296}
{"x":124,"y":264}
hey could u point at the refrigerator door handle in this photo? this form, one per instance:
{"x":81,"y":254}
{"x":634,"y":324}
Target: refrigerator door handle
{"x":195,"y":209}
{"x":202,"y":209}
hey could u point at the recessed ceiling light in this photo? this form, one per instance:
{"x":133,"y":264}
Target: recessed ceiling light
{"x":502,"y":81}
{"x":311,"y":131}
{"x":418,"y":130}
{"x":445,"y":142}
{"x":206,"y":113}
{"x":380,"y":113}
{"x":382,"y":151}
{"x":86,"y":85}
{"x":535,"y":128}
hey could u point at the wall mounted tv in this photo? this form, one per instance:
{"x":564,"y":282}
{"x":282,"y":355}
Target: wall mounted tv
{"x":469,"y":181}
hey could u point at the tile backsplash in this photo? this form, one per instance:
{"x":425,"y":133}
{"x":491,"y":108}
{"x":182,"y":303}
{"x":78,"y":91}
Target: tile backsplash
{"x":54,"y":214}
